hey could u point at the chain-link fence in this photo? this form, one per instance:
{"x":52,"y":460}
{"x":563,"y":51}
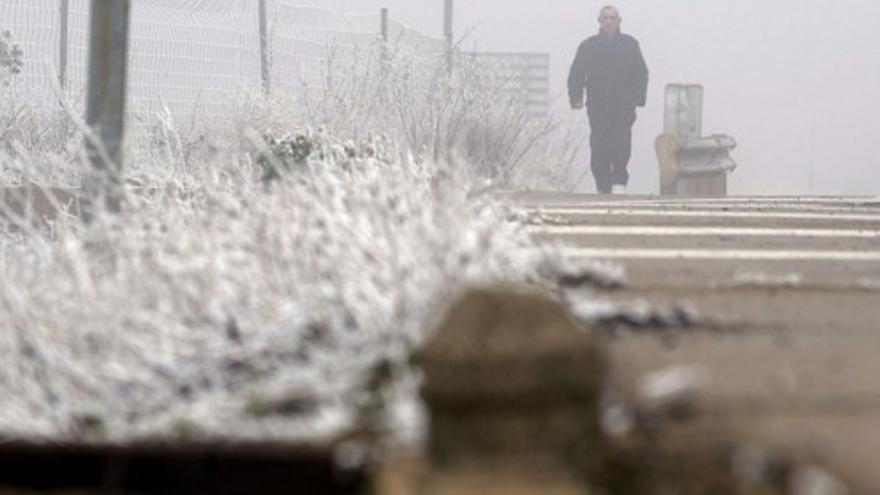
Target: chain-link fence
{"x":190,"y":56}
{"x":195,"y":58}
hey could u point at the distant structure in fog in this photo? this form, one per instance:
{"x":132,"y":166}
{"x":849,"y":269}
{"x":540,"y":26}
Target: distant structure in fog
{"x":524,"y":77}
{"x":691,"y":164}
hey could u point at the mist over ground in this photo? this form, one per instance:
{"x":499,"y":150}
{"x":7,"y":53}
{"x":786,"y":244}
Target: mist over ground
{"x":795,"y":82}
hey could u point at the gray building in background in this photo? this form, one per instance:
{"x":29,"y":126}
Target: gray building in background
{"x":524,"y":77}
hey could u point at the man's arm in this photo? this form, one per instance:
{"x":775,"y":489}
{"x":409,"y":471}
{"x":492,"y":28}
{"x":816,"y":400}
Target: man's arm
{"x":577,"y":77}
{"x":640,"y":78}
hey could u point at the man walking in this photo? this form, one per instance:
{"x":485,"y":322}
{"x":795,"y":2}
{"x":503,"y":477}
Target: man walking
{"x":611,"y":68}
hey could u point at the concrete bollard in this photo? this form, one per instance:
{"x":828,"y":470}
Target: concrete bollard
{"x":524,"y":402}
{"x":512,"y":385}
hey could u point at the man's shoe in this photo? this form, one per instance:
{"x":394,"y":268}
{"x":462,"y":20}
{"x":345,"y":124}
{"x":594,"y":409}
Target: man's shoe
{"x":618,"y":189}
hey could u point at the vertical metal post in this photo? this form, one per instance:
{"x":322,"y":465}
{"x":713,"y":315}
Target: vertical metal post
{"x":264,"y":48}
{"x":448,"y":33}
{"x":384,"y":58}
{"x":63,"y":21}
{"x":105,"y":116}
{"x":384,"y":33}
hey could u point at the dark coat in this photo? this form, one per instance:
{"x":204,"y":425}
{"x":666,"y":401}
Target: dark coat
{"x":613,"y":72}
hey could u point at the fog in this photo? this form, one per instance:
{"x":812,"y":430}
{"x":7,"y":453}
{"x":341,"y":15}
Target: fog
{"x":794,"y":81}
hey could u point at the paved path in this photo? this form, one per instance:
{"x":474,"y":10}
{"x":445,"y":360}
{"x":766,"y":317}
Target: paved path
{"x":797,"y":278}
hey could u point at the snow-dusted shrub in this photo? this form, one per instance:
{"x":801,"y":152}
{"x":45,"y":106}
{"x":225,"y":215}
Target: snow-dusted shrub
{"x":293,"y":152}
{"x":28,"y":124}
{"x":465,"y":117}
{"x":285,"y":154}
{"x":11,"y":58}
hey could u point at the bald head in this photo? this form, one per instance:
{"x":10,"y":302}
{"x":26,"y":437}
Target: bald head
{"x":609,"y":20}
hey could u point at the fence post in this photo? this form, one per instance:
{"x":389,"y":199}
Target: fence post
{"x":383,"y":30}
{"x":105,"y":116}
{"x":64,"y":22}
{"x":264,"y":49}
{"x":448,"y":33}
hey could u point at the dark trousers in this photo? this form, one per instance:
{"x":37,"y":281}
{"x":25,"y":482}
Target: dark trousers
{"x":610,"y":145}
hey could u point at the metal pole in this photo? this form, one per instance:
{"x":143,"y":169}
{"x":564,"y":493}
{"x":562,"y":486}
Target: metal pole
{"x":384,"y":32}
{"x":105,"y":116}
{"x":447,"y":32}
{"x":264,"y":48}
{"x":64,"y":21}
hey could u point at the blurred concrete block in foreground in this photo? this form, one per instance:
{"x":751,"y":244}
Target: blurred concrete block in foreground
{"x":512,"y":384}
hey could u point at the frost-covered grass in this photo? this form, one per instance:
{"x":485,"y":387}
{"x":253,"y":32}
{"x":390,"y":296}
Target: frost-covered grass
{"x":214,"y":299}
{"x":221,"y":305}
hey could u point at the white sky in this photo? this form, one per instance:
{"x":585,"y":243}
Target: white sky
{"x":796,"y":82}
